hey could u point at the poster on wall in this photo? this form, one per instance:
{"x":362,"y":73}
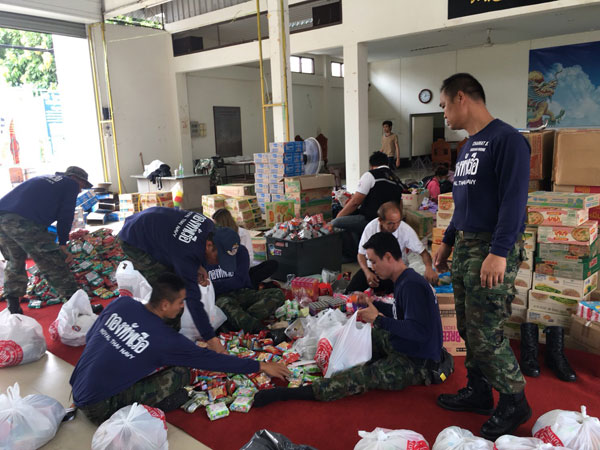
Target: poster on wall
{"x":462,"y":8}
{"x":563,"y":86}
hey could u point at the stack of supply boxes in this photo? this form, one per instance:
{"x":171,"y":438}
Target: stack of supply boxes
{"x":310,"y":194}
{"x":129,"y":204}
{"x":239,"y":199}
{"x":566,"y":264}
{"x":285,"y":159}
{"x":540,"y":165}
{"x":444,"y":215}
{"x":212,"y":203}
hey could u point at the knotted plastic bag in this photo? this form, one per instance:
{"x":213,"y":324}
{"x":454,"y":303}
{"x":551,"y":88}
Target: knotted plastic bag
{"x":21,"y":339}
{"x":571,"y":429}
{"x":384,"y":439}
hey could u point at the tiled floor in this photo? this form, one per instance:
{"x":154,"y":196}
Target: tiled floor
{"x":50,"y":376}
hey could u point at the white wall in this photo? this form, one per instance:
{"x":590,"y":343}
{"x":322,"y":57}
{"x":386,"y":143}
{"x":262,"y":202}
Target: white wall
{"x":502,"y":70}
{"x":144,"y":100}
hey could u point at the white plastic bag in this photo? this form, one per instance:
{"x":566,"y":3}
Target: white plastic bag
{"x":21,"y":339}
{"x":455,"y":438}
{"x":352,"y":348}
{"x":28,"y":423}
{"x":2,"y":266}
{"x":571,"y":429}
{"x":508,"y":442}
{"x":74,"y":320}
{"x":133,"y":427}
{"x":384,"y":439}
{"x":314,"y":329}
{"x":154,"y":165}
{"x":132,"y":283}
{"x":215,"y":315}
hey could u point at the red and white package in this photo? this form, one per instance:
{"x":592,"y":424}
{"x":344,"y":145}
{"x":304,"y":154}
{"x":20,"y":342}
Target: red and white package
{"x":571,"y":429}
{"x":508,"y":442}
{"x":384,"y":439}
{"x":456,"y":438}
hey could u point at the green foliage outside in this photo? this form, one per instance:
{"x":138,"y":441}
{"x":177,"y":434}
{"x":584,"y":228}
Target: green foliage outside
{"x":27,"y":67}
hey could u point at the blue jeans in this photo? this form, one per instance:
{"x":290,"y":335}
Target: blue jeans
{"x":353,"y":226}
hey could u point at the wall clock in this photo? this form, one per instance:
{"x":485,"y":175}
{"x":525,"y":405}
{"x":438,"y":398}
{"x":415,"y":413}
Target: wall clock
{"x":425,"y":96}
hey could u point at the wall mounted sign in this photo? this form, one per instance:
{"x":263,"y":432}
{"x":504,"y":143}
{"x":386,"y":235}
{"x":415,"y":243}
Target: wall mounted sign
{"x":462,"y":8}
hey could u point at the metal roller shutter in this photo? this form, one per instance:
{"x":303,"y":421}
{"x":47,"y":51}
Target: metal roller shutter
{"x":42,"y":25}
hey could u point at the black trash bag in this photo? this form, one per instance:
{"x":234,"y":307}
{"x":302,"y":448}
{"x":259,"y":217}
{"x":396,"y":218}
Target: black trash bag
{"x":155,"y":177}
{"x":269,"y":440}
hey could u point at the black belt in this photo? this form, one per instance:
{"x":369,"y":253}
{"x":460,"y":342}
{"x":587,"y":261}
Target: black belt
{"x":482,"y":235}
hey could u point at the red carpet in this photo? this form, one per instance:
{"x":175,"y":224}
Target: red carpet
{"x":332,"y":426}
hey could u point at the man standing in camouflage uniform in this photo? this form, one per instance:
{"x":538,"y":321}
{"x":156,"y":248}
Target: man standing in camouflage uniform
{"x":406,"y":338}
{"x":490,"y":196}
{"x":25,"y":214}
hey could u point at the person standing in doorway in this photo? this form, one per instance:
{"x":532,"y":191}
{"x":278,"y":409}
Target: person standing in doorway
{"x":389,"y":145}
{"x":490,"y":197}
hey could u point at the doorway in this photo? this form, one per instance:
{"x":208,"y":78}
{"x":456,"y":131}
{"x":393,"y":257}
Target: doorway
{"x":425,"y":129}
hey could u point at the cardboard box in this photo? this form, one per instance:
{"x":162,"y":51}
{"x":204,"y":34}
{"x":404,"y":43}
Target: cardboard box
{"x":261,"y":158}
{"x":261,"y":187}
{"x":576,"y":160}
{"x":552,"y":303}
{"x":420,"y":221}
{"x":286,"y":147}
{"x":236,"y":189}
{"x":450,"y":336}
{"x":518,"y":313}
{"x":576,"y":268}
{"x":277,"y":188}
{"x":565,"y":287}
{"x":307,"y":182}
{"x":549,"y":319}
{"x":437,"y":235}
{"x":151,"y":199}
{"x":413,"y":201}
{"x":542,"y":149}
{"x":539,"y":185}
{"x":559,"y":252}
{"x":262,"y":197}
{"x":593,"y":213}
{"x":563,"y":200}
{"x":528,"y":264}
{"x":276,"y":212}
{"x":589,"y":310}
{"x":310,"y":197}
{"x":237,"y":204}
{"x":556,"y":216}
{"x":512,"y":330}
{"x":586,"y":334}
{"x":523,"y":279}
{"x":214,"y":201}
{"x":521,"y":297}
{"x":584,"y":234}
{"x":303,"y":211}
{"x":446,"y":202}
{"x":443,"y":219}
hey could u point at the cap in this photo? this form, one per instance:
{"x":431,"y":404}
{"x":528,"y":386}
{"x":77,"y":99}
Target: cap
{"x":79,"y":173}
{"x":227,"y":242}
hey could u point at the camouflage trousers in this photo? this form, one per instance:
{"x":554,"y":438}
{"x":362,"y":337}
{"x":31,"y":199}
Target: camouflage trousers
{"x":148,"y":391}
{"x":388,"y":370}
{"x":482,"y":312}
{"x":20,"y":237}
{"x":247,"y":308}
{"x":151,"y":269}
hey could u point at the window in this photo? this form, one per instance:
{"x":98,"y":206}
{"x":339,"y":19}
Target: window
{"x":337,"y":69}
{"x":301,"y":64}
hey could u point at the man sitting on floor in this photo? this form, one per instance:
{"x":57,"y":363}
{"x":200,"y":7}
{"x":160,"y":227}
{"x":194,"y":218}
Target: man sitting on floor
{"x":129,"y":342}
{"x":389,"y":220}
{"x":407,"y":336}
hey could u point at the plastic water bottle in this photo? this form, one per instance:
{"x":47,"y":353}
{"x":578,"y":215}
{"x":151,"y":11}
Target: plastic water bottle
{"x":180,"y":171}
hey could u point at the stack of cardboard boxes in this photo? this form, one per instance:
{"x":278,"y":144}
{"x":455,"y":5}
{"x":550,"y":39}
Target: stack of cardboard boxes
{"x":444,"y":215}
{"x":540,"y":167}
{"x":212,"y":203}
{"x":128,"y":205}
{"x":310,"y":194}
{"x":285,"y":159}
{"x":241,"y":202}
{"x":566,"y":263}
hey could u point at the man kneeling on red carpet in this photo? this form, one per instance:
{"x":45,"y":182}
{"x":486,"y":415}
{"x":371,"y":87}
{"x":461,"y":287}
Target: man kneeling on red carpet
{"x":131,"y":355}
{"x":406,"y":338}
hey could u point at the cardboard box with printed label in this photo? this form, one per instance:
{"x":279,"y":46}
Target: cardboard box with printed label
{"x":559,"y":252}
{"x":151,"y":199}
{"x":286,"y":147}
{"x":443,"y":219}
{"x":420,"y":221}
{"x":215,"y":201}
{"x":584,"y":234}
{"x":523,"y":279}
{"x":413,"y":201}
{"x":446,"y":202}
{"x":542,"y":149}
{"x":569,"y":217}
{"x":586,"y":334}
{"x":450,"y":336}
{"x":542,"y":301}
{"x":521,"y":297}
{"x":563,"y":200}
{"x":437,"y":235}
{"x":529,"y":262}
{"x":307,"y":182}
{"x":236,"y":189}
{"x":277,"y":188}
{"x":576,"y":160}
{"x":573,"y":267}
{"x":262,"y":187}
{"x":549,"y":319}
{"x":518,"y":313}
{"x":261,"y":158}
{"x":276,"y":212}
{"x":565,"y":287}
{"x":236,"y":204}
{"x":593,"y":213}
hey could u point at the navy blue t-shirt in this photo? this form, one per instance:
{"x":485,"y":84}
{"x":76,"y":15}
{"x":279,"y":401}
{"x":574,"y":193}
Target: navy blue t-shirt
{"x":43,"y":200}
{"x":176,"y":238}
{"x":490,"y":186}
{"x":414,"y":319}
{"x":224,"y":281}
{"x":128,"y":342}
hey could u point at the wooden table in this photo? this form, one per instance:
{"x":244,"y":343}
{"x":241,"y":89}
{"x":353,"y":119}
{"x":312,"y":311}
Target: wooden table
{"x":194,"y":187}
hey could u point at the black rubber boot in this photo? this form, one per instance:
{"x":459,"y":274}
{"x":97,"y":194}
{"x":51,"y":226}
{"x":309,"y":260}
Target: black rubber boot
{"x":476,"y":397}
{"x":278,"y":394}
{"x":14,"y":306}
{"x":512,"y":411}
{"x":555,"y":357}
{"x":529,"y":350}
{"x":173,"y":401}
